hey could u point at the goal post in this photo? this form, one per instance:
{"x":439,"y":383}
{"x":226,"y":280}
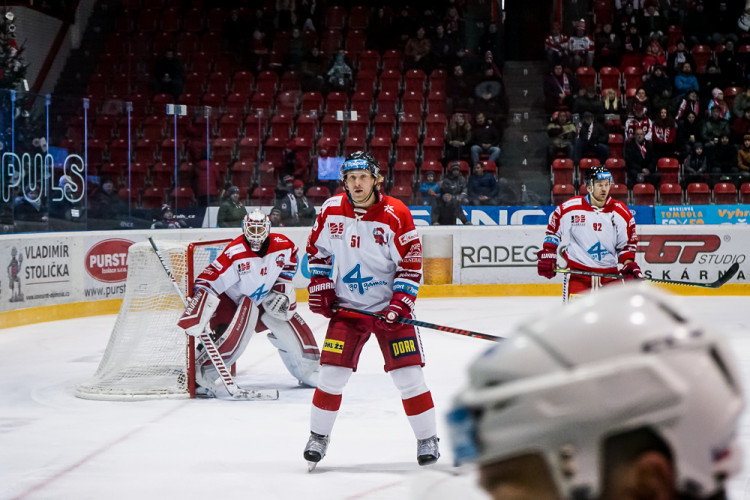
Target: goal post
{"x":148,"y":356}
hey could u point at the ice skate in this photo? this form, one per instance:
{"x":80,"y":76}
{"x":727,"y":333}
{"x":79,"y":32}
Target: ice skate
{"x":315,"y":450}
{"x":427,"y":450}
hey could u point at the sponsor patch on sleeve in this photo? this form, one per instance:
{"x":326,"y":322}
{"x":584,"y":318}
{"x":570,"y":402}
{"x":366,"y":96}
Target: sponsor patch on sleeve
{"x":336,"y":346}
{"x":407,"y":237}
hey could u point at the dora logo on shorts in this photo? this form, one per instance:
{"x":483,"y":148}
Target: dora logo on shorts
{"x":404,"y":347}
{"x":336,"y":346}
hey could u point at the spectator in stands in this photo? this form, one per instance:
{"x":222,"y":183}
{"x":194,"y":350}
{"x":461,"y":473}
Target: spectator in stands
{"x":429,"y":190}
{"x":639,"y":120}
{"x":402,"y":28}
{"x":106,"y":204}
{"x":665,"y":100}
{"x":562,"y":134}
{"x":447,"y":210}
{"x":295,"y":208}
{"x":454,"y":23}
{"x":710,"y":79}
{"x":560,"y":88}
{"x":625,"y":18}
{"x":442,"y":49}
{"x":608,"y":47}
{"x":492,"y":41}
{"x":695,"y":165}
{"x":457,"y":137}
{"x":641,"y":98}
{"x":717,"y":101}
{"x":665,"y":135}
{"x":417,"y":51}
{"x":729,"y":63}
{"x":656,"y":82}
{"x":169,"y":220}
{"x":722,"y":159}
{"x":459,"y":90}
{"x":30,"y":207}
{"x":297,"y":50}
{"x":591,"y":141}
{"x":743,"y":161}
{"x":313,"y":71}
{"x":677,"y":58}
{"x":378,"y":29}
{"x":689,"y":103}
{"x":231,"y":210}
{"x":589,"y":102}
{"x":651,"y":23}
{"x":581,"y":47}
{"x":640,"y":160}
{"x":275,"y":217}
{"x":258,"y":54}
{"x":169,"y":75}
{"x":482,"y":187}
{"x":654,"y":57}
{"x":485,"y":139}
{"x":688,"y":132}
{"x":741,"y":102}
{"x":685,"y":80}
{"x":633,"y":44}
{"x":741,"y":127}
{"x":454,"y":183}
{"x":340,"y":74}
{"x":556,"y":46}
{"x":612,"y":108}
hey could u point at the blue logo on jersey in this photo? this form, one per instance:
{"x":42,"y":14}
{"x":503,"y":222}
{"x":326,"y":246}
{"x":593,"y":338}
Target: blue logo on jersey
{"x":259,"y":293}
{"x":355,"y":280}
{"x":597,"y":252}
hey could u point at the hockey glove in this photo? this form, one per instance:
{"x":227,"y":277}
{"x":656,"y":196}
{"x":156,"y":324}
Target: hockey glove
{"x":198,"y":312}
{"x":631,"y":271}
{"x":322,"y":296}
{"x":547,"y":261}
{"x":280,"y":301}
{"x":401,"y":306}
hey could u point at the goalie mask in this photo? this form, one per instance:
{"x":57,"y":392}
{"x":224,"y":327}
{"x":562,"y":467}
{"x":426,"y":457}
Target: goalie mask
{"x":612,"y":362}
{"x":360,"y":160}
{"x":256,"y":228}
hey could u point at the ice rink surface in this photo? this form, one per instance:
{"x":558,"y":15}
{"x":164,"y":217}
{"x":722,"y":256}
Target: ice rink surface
{"x":56,"y":446}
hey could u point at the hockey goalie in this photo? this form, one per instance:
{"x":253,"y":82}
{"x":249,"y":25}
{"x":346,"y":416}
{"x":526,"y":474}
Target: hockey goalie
{"x":248,"y":289}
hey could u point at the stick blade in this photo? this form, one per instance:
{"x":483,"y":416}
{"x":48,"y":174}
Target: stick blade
{"x":728,"y":275}
{"x":256,"y":395}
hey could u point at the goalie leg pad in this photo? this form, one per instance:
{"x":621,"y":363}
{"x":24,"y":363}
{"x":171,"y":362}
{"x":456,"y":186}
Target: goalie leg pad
{"x":232,"y":344}
{"x":296,"y":345}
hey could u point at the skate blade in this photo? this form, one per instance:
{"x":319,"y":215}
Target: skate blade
{"x":311,"y":466}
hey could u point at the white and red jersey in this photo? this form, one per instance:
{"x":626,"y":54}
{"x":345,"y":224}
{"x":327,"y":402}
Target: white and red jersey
{"x":240,"y":272}
{"x":664,"y":135}
{"x":557,"y":43}
{"x":374,"y":254}
{"x":597,"y":239}
{"x":634,"y":123}
{"x":580,"y":45}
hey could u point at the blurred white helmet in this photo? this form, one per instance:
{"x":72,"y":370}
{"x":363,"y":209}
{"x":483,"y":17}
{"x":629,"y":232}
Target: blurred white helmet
{"x":256,"y":227}
{"x":615,"y":361}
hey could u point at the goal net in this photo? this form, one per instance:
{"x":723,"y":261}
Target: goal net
{"x":148,"y":356}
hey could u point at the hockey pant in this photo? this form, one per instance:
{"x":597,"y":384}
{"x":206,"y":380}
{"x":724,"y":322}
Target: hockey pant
{"x":409,"y":380}
{"x":293,"y":339}
{"x":576,"y":284}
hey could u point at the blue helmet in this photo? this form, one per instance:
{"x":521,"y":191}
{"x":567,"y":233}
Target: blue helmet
{"x":360,"y":160}
{"x":597,"y":173}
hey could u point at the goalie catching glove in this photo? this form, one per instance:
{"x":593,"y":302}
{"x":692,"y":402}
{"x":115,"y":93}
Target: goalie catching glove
{"x":631,"y":271}
{"x":547,"y":261}
{"x":401,"y":306}
{"x":198,"y":312}
{"x":322,"y":296}
{"x":281,"y":302}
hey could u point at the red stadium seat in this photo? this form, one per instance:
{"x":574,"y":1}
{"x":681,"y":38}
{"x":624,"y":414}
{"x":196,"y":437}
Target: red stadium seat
{"x":670,"y":194}
{"x":317,"y":194}
{"x":403,"y":193}
{"x":725,"y":193}
{"x":644,"y":194}
{"x":745,"y":192}
{"x":562,"y":171}
{"x":619,"y":192}
{"x":698,"y":193}
{"x":617,"y":168}
{"x":262,"y":195}
{"x":609,"y":78}
{"x":669,"y":168}
{"x":586,"y":76}
{"x":561,"y":192}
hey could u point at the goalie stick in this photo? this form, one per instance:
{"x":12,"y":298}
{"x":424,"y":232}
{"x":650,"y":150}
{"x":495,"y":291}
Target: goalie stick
{"x":213,"y":352}
{"x":725,"y":277}
{"x":424,"y":324}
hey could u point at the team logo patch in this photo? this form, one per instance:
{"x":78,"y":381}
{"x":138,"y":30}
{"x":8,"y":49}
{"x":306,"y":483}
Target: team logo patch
{"x":578,"y":220}
{"x":404,"y":347}
{"x":378,"y":235}
{"x":243,"y":267}
{"x":280,"y":261}
{"x":336,"y":230}
{"x":336,"y":346}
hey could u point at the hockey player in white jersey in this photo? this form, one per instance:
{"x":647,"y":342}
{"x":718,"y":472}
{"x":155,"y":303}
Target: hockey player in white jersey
{"x":600,"y":234}
{"x":364,"y":253}
{"x":249,"y":288}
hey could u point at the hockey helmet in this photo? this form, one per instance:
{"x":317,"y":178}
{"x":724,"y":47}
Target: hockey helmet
{"x":360,"y":160}
{"x":256,"y":226}
{"x":597,"y":173}
{"x":622,"y":360}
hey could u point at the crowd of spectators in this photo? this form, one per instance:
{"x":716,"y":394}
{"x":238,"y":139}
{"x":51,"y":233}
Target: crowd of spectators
{"x":681,"y":88}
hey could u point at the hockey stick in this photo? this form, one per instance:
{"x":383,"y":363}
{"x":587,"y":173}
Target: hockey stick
{"x":213,"y":352}
{"x":424,"y":324}
{"x":725,"y":277}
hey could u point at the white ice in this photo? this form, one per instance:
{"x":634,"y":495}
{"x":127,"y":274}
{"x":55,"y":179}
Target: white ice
{"x":56,"y":446}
